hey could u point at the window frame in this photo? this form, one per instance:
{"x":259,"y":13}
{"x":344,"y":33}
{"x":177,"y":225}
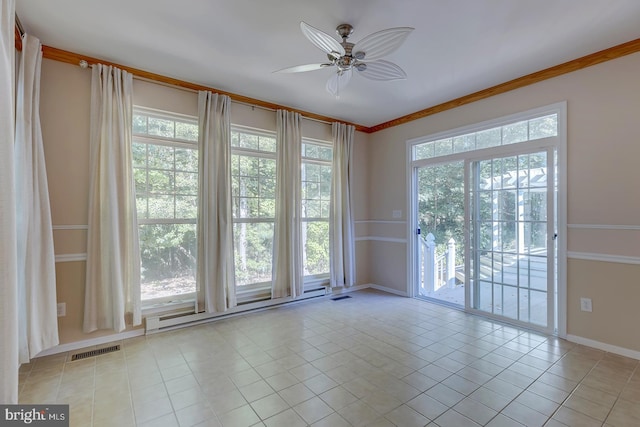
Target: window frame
{"x":315,"y":281}
{"x":151,"y":305}
{"x":258,"y":290}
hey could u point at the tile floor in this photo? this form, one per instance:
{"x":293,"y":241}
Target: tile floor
{"x":372,"y":360}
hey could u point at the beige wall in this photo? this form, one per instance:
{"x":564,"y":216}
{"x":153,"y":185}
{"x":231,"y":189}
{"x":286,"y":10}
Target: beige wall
{"x":603,"y":146}
{"x":64,"y":110}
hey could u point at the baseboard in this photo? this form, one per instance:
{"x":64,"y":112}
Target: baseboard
{"x":345,"y":290}
{"x":389,"y":290}
{"x":77,"y":345}
{"x":604,"y":346}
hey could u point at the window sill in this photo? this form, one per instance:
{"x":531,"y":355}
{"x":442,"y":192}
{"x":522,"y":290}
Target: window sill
{"x":167,"y":306}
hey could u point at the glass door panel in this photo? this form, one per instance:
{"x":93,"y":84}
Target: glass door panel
{"x":510,"y":272}
{"x":441,"y":244}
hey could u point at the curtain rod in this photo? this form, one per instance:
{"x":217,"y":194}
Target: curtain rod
{"x":19,"y":26}
{"x":84,"y":65}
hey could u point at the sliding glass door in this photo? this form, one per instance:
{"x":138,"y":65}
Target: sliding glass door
{"x":484,"y":218}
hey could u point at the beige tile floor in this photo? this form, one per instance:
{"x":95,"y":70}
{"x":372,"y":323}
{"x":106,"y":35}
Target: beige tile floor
{"x":372,"y":360}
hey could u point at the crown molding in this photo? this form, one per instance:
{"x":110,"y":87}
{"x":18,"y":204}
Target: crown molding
{"x":548,"y":73}
{"x":605,"y":55}
{"x":18,"y":39}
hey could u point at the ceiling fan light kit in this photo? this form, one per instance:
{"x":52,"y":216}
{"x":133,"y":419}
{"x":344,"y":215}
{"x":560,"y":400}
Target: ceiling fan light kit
{"x":363,"y":56}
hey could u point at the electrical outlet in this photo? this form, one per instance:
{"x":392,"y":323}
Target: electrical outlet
{"x":62,"y":309}
{"x":585,"y":304}
{"x":396,"y":214}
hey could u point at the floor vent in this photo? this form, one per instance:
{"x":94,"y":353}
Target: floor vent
{"x":97,"y":352}
{"x":339,"y":298}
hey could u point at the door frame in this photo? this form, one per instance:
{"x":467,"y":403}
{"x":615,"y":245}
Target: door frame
{"x":558,"y":142}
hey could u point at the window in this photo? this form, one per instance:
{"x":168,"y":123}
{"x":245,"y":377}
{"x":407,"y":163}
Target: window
{"x":511,"y":133}
{"x":316,"y":193}
{"x":165,"y":164}
{"x":253,"y":171}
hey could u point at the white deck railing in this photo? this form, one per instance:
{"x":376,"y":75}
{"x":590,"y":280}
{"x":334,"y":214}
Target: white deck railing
{"x":437,"y":271}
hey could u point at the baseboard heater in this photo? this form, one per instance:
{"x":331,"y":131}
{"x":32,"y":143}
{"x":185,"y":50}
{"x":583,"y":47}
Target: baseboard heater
{"x":175,"y":320}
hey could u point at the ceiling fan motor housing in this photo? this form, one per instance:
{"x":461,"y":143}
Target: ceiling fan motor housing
{"x":344,"y":30}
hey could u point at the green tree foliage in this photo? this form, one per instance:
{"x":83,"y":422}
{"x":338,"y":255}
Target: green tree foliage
{"x":167,"y":251}
{"x":316,"y":248}
{"x":441,"y":205}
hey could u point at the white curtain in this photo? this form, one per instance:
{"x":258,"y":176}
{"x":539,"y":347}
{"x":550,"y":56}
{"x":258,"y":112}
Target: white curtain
{"x":36,"y":258}
{"x":8,"y":260}
{"x":341,"y":234}
{"x":215,"y":275}
{"x":112,"y":288}
{"x":287,"y":251}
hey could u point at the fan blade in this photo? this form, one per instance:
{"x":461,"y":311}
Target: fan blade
{"x":338,"y":81}
{"x":377,"y":45}
{"x":303,"y":68}
{"x":382,"y":70}
{"x":322,"y":40}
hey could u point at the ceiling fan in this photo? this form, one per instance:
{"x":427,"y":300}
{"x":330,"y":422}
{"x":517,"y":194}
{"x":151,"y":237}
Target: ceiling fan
{"x":363,"y":56}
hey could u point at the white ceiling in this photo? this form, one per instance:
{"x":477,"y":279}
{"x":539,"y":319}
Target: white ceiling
{"x":458,"y":46}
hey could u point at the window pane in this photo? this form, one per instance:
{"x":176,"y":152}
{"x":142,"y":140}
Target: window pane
{"x":324,"y":209}
{"x":516,"y":132}
{"x":268,"y":143}
{"x":160,"y":157}
{"x":249,"y":165}
{"x":139,"y":155}
{"x":315,"y":243}
{"x":488,"y":138}
{"x":513,"y":133}
{"x":464,"y":143}
{"x":186,"y":182}
{"x":161,"y":127}
{"x":316,"y":151}
{"x":168,"y":255}
{"x":543,"y":127}
{"x":326,"y":153}
{"x":161,"y":207}
{"x":253,"y":186}
{"x":248,"y":141}
{"x":267,"y":208}
{"x":141,"y":207}
{"x":160,"y":181}
{"x":139,"y":124}
{"x":311,"y":209}
{"x":310,"y":172}
{"x":423,"y":151}
{"x":443,"y":147}
{"x":140,"y":176}
{"x":186,"y":159}
{"x":253,"y":246}
{"x":310,"y":151}
{"x":311,"y":190}
{"x":187,"y":131}
{"x":186,"y":207}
